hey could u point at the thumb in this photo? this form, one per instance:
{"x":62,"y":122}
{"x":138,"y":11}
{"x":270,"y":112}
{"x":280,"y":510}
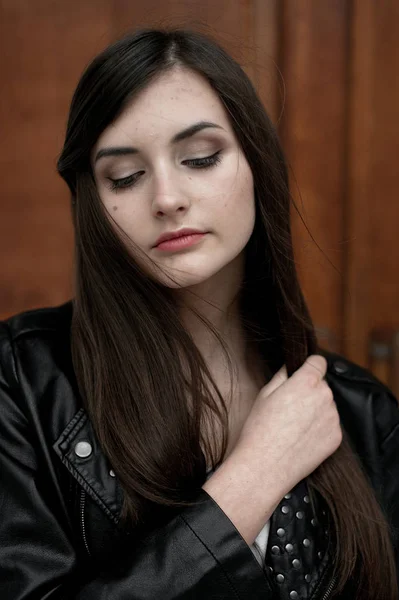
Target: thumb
{"x":278,"y":379}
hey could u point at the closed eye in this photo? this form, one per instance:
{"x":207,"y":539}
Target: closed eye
{"x":207,"y":161}
{"x":194,"y":163}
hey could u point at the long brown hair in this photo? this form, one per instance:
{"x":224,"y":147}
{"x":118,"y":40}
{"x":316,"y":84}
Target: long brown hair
{"x":126,"y":332}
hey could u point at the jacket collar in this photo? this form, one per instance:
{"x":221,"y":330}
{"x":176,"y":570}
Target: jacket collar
{"x":80,"y":453}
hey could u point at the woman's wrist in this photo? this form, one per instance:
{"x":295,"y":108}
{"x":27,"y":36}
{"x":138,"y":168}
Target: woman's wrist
{"x":245,"y":493}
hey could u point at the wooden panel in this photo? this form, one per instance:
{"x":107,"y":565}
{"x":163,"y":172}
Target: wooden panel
{"x":313,"y":63}
{"x":44,"y":47}
{"x":360,"y":133}
{"x":266,"y":76}
{"x":373,"y":209}
{"x":384,"y":206}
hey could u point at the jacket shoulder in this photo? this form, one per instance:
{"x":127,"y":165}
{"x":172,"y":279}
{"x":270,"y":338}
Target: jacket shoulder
{"x":38,"y":320}
{"x":343,"y":368}
{"x":41,"y":331}
{"x":36,"y":362}
{"x":360,"y":395}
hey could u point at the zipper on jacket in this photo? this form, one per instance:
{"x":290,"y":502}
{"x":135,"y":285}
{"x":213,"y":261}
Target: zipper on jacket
{"x":82,"y":520}
{"x":330,"y":589}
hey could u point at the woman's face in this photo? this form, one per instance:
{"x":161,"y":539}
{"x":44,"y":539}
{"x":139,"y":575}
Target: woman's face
{"x":151,"y":183}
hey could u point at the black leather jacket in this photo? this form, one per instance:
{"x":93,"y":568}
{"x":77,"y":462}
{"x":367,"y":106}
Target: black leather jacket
{"x":60,"y":503}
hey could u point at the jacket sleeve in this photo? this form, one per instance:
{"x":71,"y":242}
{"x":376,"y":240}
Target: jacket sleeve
{"x":390,"y":480}
{"x":198,"y":554}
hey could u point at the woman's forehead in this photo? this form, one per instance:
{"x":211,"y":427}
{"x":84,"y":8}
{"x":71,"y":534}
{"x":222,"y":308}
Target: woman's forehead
{"x":175,"y":100}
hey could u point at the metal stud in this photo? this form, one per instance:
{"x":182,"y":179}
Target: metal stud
{"x":340,"y":367}
{"x":306,"y":499}
{"x":276,"y":549}
{"x":280,"y":532}
{"x":307,"y":578}
{"x":83,"y":449}
{"x":285,"y":509}
{"x":112,"y":473}
{"x":294,"y":595}
{"x":280,"y":578}
{"x":296,"y":563}
{"x":299,"y":514}
{"x":289,"y":547}
{"x":320,"y":555}
{"x":313,"y":521}
{"x":288,"y":496}
{"x":306,"y":543}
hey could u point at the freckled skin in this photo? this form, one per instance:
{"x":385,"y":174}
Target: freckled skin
{"x":169,"y":194}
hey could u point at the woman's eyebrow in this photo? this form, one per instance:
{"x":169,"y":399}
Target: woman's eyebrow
{"x":178,"y":137}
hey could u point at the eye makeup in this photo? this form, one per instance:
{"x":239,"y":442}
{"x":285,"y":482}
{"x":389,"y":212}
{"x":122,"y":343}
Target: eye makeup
{"x":124,"y":183}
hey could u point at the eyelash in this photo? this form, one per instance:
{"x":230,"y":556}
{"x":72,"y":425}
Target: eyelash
{"x":196,"y":163}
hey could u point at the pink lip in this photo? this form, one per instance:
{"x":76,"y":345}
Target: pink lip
{"x":181,"y":242}
{"x":170,"y":235}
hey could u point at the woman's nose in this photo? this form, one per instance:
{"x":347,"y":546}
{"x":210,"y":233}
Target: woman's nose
{"x":168,"y":196}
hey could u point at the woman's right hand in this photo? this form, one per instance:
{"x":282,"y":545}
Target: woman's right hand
{"x":293,"y":425}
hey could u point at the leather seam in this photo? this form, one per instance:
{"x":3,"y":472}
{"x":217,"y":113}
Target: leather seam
{"x":72,"y":429}
{"x":213,"y":556}
{"x":390,"y":434}
{"x":13,"y":355}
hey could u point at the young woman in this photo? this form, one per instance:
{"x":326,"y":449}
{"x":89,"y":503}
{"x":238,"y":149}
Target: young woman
{"x":174,"y":431}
